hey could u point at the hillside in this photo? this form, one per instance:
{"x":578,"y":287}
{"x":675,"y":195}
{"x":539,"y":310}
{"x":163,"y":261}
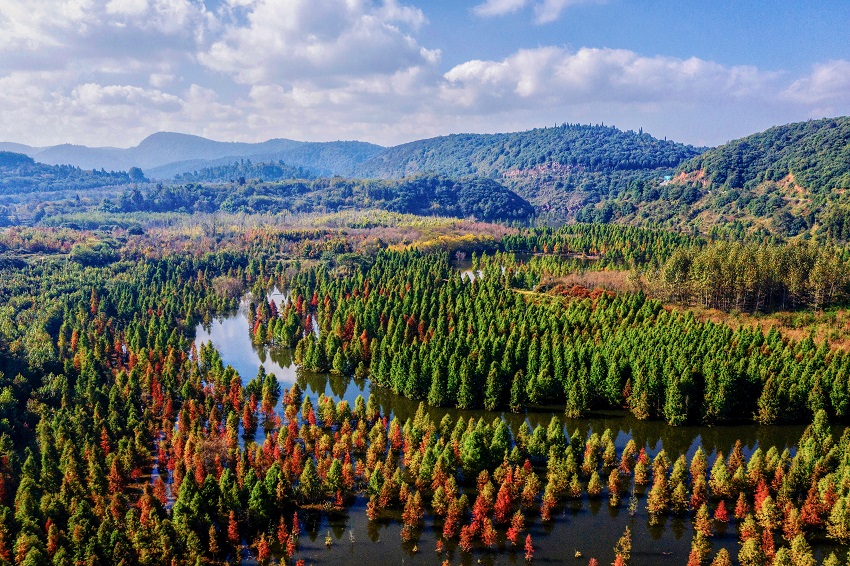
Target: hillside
{"x":786,"y":181}
{"x":567,"y":147}
{"x":21,"y":174}
{"x":815,"y":153}
{"x":559,"y":169}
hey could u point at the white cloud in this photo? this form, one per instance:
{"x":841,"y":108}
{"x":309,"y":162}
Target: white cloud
{"x":161,"y":80}
{"x":392,"y":11}
{"x":557,"y":76}
{"x":545,"y":11}
{"x":127,"y":7}
{"x":828,"y":83}
{"x":33,"y":25}
{"x":93,"y":95}
{"x":499,"y":7}
{"x":550,"y":10}
{"x":109,"y":72}
{"x":691,"y":100}
{"x":328,"y":41}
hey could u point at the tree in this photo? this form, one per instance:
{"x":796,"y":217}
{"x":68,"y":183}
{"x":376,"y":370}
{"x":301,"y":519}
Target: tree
{"x":838,"y":525}
{"x":614,"y":488}
{"x":801,"y":552}
{"x":309,"y":482}
{"x":719,"y":481}
{"x":517,"y":525}
{"x":233,"y":529}
{"x":751,"y":553}
{"x":504,"y":502}
{"x":722,"y":558}
{"x":518,"y":397}
{"x":493,"y":389}
{"x":529,"y":549}
{"x":474,"y":453}
{"x":594,"y":485}
{"x":264,"y":553}
{"x":623,"y":548}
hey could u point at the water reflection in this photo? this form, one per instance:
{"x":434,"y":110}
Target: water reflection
{"x":231,"y":338}
{"x":589,"y":526}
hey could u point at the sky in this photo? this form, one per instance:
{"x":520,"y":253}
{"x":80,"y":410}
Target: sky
{"x":111,"y":72}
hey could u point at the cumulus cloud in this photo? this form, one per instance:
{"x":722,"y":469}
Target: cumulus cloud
{"x":828,"y":83}
{"x":326,"y":41}
{"x":93,"y":95}
{"x":34,"y":25}
{"x":109,"y":72}
{"x":685,"y":98}
{"x":127,"y":7}
{"x":554,"y":75}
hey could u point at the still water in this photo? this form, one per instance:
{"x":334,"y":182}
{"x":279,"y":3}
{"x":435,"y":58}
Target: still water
{"x":590,"y":527}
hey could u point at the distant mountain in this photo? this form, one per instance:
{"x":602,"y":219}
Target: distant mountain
{"x":106,"y":158}
{"x":159,"y":153}
{"x":560,"y":170}
{"x":164,"y":155}
{"x":18,"y":148}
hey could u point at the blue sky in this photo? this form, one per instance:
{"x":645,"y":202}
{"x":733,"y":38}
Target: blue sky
{"x":110,"y":72}
{"x":779,"y":34}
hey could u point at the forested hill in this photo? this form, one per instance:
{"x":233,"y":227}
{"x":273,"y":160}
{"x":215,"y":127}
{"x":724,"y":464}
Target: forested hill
{"x":566,"y":147}
{"x":786,"y":180}
{"x":424,"y":195}
{"x":815,"y":154}
{"x":21,"y":174}
{"x":245,"y":170}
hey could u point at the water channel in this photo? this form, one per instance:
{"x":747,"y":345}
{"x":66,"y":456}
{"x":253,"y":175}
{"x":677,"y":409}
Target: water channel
{"x":590,"y":527}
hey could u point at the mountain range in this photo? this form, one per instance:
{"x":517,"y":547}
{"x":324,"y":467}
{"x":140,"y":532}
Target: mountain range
{"x":165,"y":154}
{"x":787,"y":180}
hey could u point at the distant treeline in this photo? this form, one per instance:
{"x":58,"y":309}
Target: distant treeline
{"x":584,"y":147}
{"x":484,"y":199}
{"x":243,"y":171}
{"x":21,"y":174}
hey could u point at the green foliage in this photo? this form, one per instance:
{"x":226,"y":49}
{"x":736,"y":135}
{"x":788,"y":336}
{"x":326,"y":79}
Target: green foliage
{"x":426,"y":195}
{"x":594,"y":148}
{"x":240,"y":172}
{"x":21,"y":174}
{"x":816,"y":153}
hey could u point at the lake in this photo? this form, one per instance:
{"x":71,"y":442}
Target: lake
{"x":588,"y":526}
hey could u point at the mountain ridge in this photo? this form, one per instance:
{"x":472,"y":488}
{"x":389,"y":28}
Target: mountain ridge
{"x":163,"y":155}
{"x":162,"y":149}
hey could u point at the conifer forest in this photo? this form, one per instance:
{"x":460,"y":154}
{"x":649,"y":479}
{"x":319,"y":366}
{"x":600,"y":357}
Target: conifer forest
{"x":449,"y":391}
